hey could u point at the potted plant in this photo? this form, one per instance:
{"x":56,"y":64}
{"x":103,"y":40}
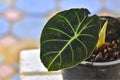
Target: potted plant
{"x":84,"y":47}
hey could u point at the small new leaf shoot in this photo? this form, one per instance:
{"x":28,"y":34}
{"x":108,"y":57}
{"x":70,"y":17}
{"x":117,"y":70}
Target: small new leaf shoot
{"x":102,"y":35}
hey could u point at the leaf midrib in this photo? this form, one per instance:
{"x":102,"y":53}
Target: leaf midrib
{"x":72,"y":39}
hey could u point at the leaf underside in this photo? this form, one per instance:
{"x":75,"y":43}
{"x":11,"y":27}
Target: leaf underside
{"x":68,"y":38}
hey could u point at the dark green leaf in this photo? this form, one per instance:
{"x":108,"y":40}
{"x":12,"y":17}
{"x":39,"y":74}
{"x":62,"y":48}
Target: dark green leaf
{"x":68,"y":38}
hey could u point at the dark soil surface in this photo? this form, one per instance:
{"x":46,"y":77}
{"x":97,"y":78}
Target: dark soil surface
{"x":110,"y":51}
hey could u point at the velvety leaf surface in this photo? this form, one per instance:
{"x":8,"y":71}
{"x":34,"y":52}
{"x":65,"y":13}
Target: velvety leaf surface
{"x":68,"y":38}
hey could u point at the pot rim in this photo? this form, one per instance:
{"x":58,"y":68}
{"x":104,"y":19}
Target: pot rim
{"x":97,"y":64}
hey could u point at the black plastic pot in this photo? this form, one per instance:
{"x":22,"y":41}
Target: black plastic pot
{"x":93,"y":71}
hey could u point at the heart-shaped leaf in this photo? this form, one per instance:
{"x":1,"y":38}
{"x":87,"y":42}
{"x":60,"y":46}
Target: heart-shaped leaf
{"x":68,"y":38}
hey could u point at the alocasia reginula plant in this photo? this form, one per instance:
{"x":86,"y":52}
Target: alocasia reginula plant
{"x":68,"y":38}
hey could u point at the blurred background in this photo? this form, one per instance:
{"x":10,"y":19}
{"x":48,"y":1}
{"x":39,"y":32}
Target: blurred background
{"x":21,"y":23}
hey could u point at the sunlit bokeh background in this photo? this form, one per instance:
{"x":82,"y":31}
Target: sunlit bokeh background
{"x":21,"y":23}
